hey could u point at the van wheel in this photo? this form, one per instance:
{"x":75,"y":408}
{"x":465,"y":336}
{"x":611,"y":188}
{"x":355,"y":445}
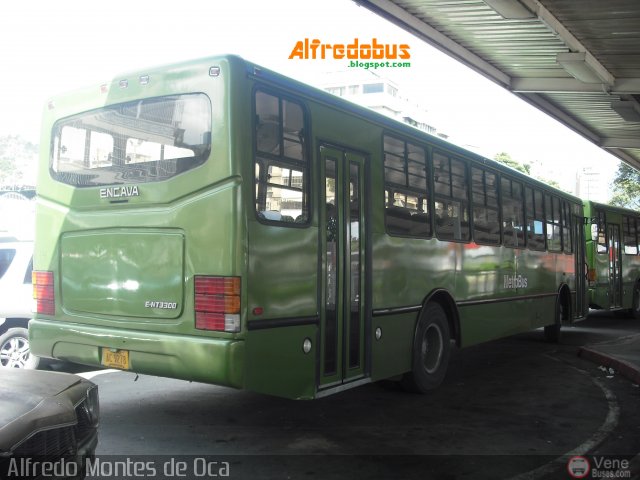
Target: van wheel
{"x":552,"y":332}
{"x":14,"y":350}
{"x":431,"y":351}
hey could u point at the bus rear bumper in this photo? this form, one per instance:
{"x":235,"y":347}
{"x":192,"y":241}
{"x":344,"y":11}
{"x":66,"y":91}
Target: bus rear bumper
{"x":200,"y":359}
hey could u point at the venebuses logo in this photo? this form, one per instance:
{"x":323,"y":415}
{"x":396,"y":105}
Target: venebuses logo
{"x":357,"y":50}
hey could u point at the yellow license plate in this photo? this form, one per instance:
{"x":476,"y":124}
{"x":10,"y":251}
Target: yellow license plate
{"x":118,"y":359}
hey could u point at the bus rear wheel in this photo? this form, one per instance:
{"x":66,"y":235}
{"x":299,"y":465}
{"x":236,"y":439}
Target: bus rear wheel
{"x":552,"y":332}
{"x":635,"y":306}
{"x":431,"y":351}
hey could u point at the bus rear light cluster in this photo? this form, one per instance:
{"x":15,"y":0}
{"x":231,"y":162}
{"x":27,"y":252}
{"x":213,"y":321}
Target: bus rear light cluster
{"x":43,"y":292}
{"x":217,"y":303}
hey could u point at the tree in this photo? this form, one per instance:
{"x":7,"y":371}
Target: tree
{"x":18,"y":159}
{"x":505,"y":158}
{"x":626,"y":187}
{"x":525,"y":168}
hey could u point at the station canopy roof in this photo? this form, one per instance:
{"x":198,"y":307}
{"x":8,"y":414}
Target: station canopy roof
{"x":576,"y":60}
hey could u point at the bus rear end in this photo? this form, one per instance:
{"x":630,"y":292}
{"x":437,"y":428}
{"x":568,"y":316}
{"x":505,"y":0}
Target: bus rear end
{"x":139,"y":226}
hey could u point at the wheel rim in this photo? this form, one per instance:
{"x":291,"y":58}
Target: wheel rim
{"x":14,"y":353}
{"x":432,"y":348}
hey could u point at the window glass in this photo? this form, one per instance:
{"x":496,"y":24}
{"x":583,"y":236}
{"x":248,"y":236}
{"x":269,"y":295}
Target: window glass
{"x":451,"y":198}
{"x":552,"y":214}
{"x":135,"y":142}
{"x":373,"y":88}
{"x":512,"y":213}
{"x":281,"y":164}
{"x":630,"y":233}
{"x":601,"y":243}
{"x":406,"y":192}
{"x":484,"y":190}
{"x":535,"y":218}
{"x":567,"y":232}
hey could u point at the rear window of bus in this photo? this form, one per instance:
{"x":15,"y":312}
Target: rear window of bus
{"x":140,"y":141}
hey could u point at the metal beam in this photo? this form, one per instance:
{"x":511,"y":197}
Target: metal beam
{"x":621,"y":86}
{"x":574,"y":45}
{"x":612,"y":142}
{"x":399,"y":16}
{"x":561,"y":115}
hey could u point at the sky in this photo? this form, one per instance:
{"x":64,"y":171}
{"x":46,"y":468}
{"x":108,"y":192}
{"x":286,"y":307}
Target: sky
{"x":53,"y":47}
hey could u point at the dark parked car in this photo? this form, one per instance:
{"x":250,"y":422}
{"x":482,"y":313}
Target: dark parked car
{"x":46,"y":418}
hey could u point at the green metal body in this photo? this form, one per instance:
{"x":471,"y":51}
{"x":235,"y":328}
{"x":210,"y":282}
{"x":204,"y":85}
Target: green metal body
{"x":110,"y":258}
{"x":612,"y":259}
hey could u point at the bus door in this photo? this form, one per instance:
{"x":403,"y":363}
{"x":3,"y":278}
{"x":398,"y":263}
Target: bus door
{"x":615,"y":266}
{"x":581,"y":266}
{"x":343,"y":264}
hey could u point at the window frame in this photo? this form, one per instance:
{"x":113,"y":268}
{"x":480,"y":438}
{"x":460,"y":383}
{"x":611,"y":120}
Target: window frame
{"x":626,"y":219}
{"x":535,"y":216}
{"x":485,"y":203}
{"x":391,"y":188}
{"x":263,"y":160}
{"x":450,"y":198}
{"x":508,"y":199}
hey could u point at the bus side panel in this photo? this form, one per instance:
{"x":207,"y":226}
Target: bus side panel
{"x":276,"y":363}
{"x":630,"y":276}
{"x":392,"y":353}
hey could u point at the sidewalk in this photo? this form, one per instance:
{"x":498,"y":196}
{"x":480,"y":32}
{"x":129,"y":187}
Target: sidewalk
{"x":622,"y":354}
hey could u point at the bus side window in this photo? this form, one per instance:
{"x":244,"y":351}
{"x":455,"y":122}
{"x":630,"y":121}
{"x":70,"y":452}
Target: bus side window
{"x":601,"y":246}
{"x":451,"y":198}
{"x":406,"y":188}
{"x":281,"y":164}
{"x":486,"y":222}
{"x":567,"y":231}
{"x":535,"y":219}
{"x":512,"y":213}
{"x":630,"y":233}
{"x":554,"y":231}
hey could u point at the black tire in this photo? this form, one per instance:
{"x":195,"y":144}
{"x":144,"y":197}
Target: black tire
{"x":635,"y":306}
{"x":14,"y":350}
{"x":431,"y":351}
{"x":553,"y":332}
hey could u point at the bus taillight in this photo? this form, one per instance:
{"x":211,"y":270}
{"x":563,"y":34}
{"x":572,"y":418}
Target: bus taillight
{"x":217,"y":303}
{"x":43,"y":292}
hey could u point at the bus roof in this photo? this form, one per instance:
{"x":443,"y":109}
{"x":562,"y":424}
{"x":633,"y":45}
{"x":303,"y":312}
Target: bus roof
{"x":268,"y":76}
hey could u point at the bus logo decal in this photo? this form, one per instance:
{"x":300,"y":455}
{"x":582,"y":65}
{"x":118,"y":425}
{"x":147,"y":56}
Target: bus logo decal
{"x":515,"y":281}
{"x":119,"y":192}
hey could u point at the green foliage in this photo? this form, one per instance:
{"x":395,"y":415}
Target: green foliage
{"x":18,"y":158}
{"x":505,"y":158}
{"x":525,"y":168}
{"x":626,"y":187}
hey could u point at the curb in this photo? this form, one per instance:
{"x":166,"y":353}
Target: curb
{"x":623,"y":367}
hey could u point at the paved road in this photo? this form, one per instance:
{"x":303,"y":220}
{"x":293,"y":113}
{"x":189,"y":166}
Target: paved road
{"x":513,"y":408}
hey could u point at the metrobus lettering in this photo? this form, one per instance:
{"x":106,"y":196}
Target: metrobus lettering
{"x":118,"y":192}
{"x":515,"y":281}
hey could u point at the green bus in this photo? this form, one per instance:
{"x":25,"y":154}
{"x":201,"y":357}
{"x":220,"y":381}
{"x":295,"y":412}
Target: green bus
{"x":613,"y":258}
{"x":217,"y":222}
